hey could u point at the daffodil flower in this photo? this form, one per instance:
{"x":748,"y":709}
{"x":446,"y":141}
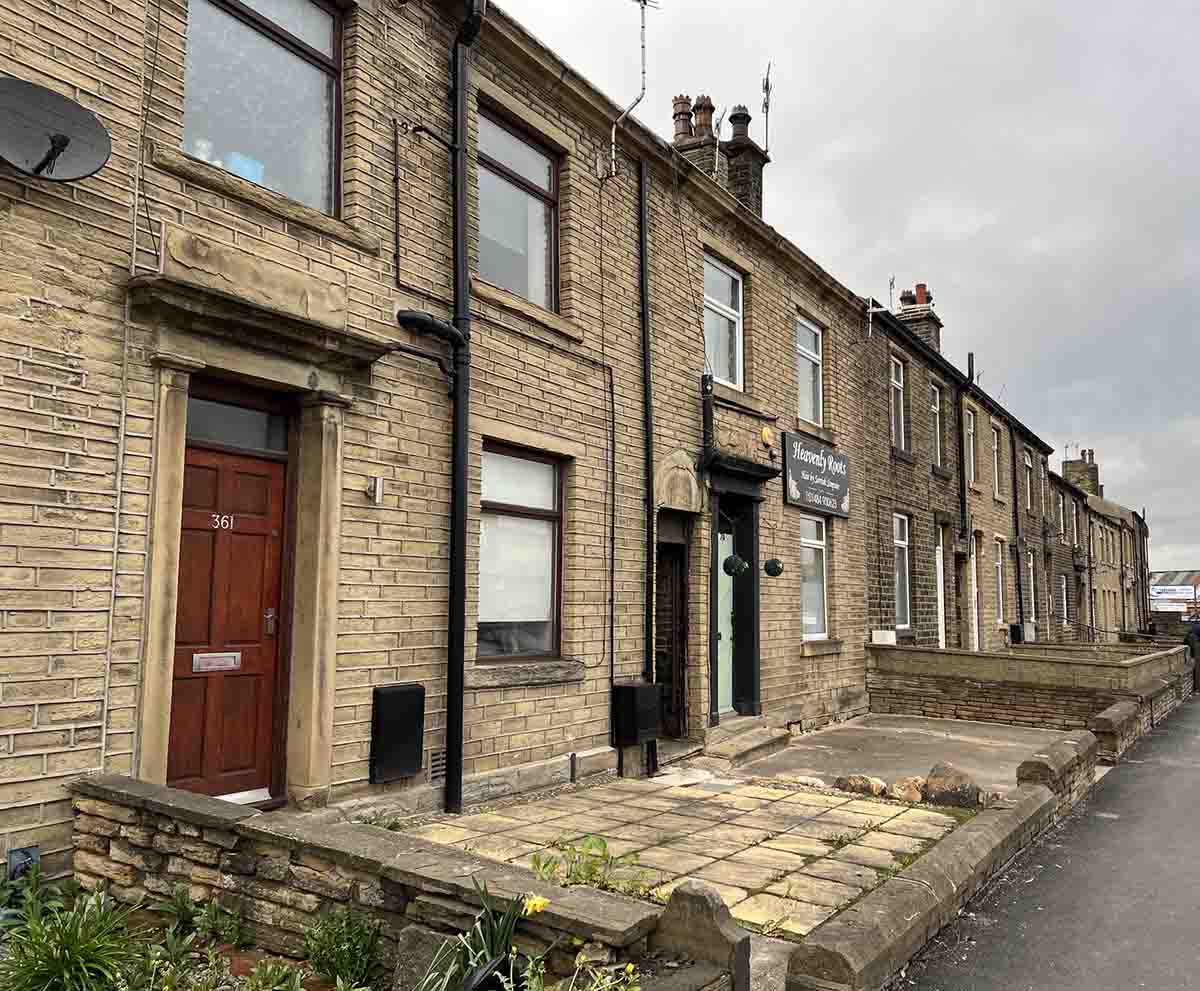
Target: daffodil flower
{"x":535,"y":904}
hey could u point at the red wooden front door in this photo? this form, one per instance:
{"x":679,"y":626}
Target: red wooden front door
{"x":226,"y":629}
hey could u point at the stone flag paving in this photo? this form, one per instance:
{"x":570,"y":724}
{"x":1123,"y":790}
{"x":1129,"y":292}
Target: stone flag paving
{"x":783,"y":859}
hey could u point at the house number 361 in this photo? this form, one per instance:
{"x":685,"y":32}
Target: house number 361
{"x":222,"y":522}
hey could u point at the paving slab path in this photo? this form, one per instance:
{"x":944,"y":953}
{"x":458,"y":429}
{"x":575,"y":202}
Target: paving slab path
{"x":1108,"y":900}
{"x":784,"y":859}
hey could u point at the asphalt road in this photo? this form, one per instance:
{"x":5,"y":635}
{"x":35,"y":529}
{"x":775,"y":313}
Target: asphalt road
{"x":1108,"y":900}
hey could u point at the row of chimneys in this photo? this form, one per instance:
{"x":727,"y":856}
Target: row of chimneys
{"x":736,"y":164}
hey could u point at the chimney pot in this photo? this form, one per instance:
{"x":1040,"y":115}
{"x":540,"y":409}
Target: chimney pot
{"x":740,"y":119}
{"x":681,"y":108}
{"x":703,"y":109}
{"x":922,"y":293}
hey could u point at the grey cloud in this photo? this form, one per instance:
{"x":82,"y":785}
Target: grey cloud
{"x":1034,"y":163}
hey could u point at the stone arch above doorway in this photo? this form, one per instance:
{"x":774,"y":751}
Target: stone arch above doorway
{"x":676,"y":485}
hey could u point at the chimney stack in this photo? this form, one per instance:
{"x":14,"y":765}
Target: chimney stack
{"x":916,"y":311}
{"x":696,"y":141}
{"x":1083,"y":472}
{"x":746,"y":162}
{"x":682,"y":107}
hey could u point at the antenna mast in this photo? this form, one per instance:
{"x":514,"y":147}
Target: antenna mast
{"x":720,"y":122}
{"x":612,"y":166}
{"x":766,"y":108}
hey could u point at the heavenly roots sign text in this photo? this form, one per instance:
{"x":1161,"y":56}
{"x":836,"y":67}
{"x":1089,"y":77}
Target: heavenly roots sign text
{"x":815,"y":476}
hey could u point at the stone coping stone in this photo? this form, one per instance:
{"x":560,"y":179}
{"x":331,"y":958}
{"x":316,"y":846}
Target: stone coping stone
{"x":1113,"y":719}
{"x":861,"y":948}
{"x":200,"y":810}
{"x":1053,"y":763}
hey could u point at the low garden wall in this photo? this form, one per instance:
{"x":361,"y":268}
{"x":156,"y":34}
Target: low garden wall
{"x":283,"y":869}
{"x":1052,"y":687}
{"x":1067,"y":767}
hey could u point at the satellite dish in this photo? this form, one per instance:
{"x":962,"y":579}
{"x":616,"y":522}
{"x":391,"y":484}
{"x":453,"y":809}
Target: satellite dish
{"x":48,"y":136}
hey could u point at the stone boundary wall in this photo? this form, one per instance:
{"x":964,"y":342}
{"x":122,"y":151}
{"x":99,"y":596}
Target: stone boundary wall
{"x":1117,"y":728}
{"x":1067,"y":767}
{"x":1038,"y":691}
{"x":284,"y":869}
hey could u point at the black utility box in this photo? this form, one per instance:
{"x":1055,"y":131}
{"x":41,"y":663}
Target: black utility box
{"x":397,"y":732}
{"x":636,"y":713}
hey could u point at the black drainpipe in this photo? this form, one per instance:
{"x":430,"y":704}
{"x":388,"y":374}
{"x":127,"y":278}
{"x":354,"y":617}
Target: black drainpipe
{"x":457,"y":633}
{"x":962,"y":446}
{"x":1016,"y":492}
{"x":706,"y":399}
{"x":647,"y":412}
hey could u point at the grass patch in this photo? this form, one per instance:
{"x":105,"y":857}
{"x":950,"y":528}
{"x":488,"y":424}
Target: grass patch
{"x":592,"y":864}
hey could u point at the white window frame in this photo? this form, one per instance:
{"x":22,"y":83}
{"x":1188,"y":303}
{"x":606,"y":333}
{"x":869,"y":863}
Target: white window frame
{"x":905,"y":543}
{"x":1075,"y":524}
{"x":935,"y":409}
{"x":972,"y":453}
{"x":896,"y":375}
{"x":1028,"y":482}
{"x":1042,"y":467}
{"x":1062,"y":518}
{"x":818,"y":360}
{"x":1032,"y":587}
{"x":1000,"y":550}
{"x":731,"y":314}
{"x":1066,"y":603}
{"x":823,"y":546}
{"x":996,"y":462}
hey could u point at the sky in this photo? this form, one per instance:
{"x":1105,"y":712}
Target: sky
{"x":1036,"y":164}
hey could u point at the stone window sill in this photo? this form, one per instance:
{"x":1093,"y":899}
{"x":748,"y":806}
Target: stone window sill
{"x":1000,"y":500}
{"x":227,"y":184}
{"x":544,"y":318}
{"x":820,"y":648}
{"x":743,"y":402}
{"x":899,"y":454}
{"x":975,"y":488}
{"x":822,"y":434}
{"x":515,"y":674}
{"x":943,"y":473}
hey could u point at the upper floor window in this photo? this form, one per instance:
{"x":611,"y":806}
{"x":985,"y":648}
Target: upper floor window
{"x":1042,"y":465}
{"x":1062,"y":592}
{"x":723,"y":322}
{"x":1062,"y":518}
{"x":518,"y":214}
{"x":996,"y":490}
{"x":972,"y":459}
{"x":935,"y":422}
{"x":1074,"y":523}
{"x":519,"y":554}
{"x":1000,"y":582}
{"x":808,"y":365}
{"x":812,"y":577}
{"x":1028,"y":482}
{"x":901,"y":571}
{"x":261,"y":93}
{"x":897,"y":404}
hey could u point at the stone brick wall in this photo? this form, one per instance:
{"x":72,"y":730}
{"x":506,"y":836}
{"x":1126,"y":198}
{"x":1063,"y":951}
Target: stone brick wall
{"x":1117,"y":728}
{"x":283,"y":872}
{"x":1022,"y":689}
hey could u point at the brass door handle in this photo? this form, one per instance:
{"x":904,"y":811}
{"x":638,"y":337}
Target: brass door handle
{"x":269,"y":619}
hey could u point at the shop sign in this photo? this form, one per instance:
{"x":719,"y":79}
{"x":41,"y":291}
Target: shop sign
{"x":815,"y":476}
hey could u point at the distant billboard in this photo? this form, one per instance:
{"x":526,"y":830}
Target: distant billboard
{"x":1179,"y":607}
{"x":1172,"y":592}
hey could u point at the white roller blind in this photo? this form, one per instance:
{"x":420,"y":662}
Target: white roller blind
{"x":516,"y":568}
{"x":518,"y":481}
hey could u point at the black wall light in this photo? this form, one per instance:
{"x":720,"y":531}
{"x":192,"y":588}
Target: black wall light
{"x":773,"y":568}
{"x":734,"y":566}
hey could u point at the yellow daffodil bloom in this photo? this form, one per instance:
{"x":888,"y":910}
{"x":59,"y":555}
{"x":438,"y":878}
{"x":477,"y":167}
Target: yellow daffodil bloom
{"x":535,"y":904}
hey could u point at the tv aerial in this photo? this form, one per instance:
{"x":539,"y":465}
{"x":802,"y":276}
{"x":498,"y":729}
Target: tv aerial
{"x":47,"y":136}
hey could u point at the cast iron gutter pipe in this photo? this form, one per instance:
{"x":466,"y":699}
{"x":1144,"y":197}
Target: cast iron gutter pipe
{"x":457,"y":632}
{"x":962,"y":448}
{"x":1016,"y":494}
{"x":647,"y":411}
